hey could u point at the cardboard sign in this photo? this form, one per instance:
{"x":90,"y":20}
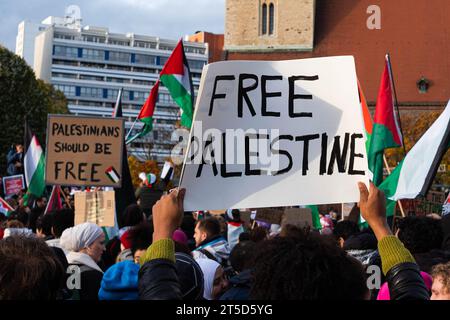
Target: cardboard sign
{"x":272,"y":216}
{"x":246,"y":217}
{"x":97,"y":207}
{"x":13,"y":185}
{"x":273,"y":134}
{"x":84,"y":151}
{"x":299,"y":217}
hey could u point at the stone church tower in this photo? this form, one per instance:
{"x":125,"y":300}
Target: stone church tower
{"x":269,"y":25}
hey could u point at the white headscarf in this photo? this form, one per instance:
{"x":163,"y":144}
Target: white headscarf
{"x":209,"y":268}
{"x":81,"y":236}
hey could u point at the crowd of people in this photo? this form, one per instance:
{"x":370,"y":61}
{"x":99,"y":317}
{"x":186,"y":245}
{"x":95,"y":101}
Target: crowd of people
{"x":167,"y":253}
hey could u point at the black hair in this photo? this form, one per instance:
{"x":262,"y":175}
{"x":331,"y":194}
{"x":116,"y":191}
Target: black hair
{"x":236,"y":214}
{"x":188,"y":225}
{"x":131,"y":216}
{"x":20,"y":215}
{"x":210,"y":225}
{"x":44,"y":222}
{"x":258,"y":234}
{"x":420,"y":234}
{"x":244,"y":236}
{"x":30,"y":270}
{"x":62,"y":220}
{"x":306,"y":266}
{"x":242,"y":256}
{"x":140,"y":236}
{"x":345,"y":229}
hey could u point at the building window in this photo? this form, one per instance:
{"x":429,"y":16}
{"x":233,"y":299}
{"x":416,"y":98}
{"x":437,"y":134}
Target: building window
{"x":119,"y":42}
{"x":140,"y":95}
{"x":196,"y":64}
{"x":93,"y":54}
{"x":66,"y":51}
{"x":64,"y":75}
{"x":145,"y":44}
{"x":264,"y":19}
{"x":89,"y":77}
{"x":194,"y":50}
{"x":67,"y":90}
{"x":112,"y":94}
{"x":145,"y":59}
{"x":165,"y":98}
{"x":119,"y":56}
{"x":271,"y":18}
{"x":91,"y":92}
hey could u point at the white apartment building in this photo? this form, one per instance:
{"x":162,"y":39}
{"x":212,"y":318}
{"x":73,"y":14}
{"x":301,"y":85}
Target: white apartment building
{"x":90,"y":64}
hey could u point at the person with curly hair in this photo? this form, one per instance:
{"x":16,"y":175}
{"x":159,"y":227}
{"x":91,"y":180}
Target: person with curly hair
{"x":440,"y":289}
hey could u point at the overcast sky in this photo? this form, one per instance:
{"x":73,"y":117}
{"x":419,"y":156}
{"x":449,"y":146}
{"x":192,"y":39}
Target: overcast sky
{"x":163,"y":18}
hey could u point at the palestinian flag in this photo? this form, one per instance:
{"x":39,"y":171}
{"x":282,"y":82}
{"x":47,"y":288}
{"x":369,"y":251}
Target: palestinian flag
{"x":176,"y":77}
{"x":112,"y":174}
{"x":146,"y":114}
{"x":415,"y":173}
{"x":5,"y":208}
{"x":34,"y":163}
{"x":446,"y":206}
{"x":315,"y":217}
{"x":123,"y":196}
{"x":386,"y":131}
{"x":368,"y":124}
{"x":54,"y":202}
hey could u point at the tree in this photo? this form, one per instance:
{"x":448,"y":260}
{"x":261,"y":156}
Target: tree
{"x":136,"y":167}
{"x":22,"y":95}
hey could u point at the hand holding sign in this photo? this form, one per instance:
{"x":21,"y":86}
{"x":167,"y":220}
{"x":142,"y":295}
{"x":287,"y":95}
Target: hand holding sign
{"x":168,"y":214}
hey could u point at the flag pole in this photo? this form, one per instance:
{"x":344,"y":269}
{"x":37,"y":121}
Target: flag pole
{"x":389,"y":172}
{"x":65,"y":198}
{"x":131,"y":129}
{"x":391,"y":76}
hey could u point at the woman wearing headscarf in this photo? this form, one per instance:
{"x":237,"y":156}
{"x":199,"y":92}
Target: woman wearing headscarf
{"x":215,"y":281}
{"x":85,"y":244}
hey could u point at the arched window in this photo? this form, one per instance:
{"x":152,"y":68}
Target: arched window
{"x":264,"y":19}
{"x":271,"y":18}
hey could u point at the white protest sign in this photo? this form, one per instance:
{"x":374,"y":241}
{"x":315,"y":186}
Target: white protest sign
{"x":281,"y":133}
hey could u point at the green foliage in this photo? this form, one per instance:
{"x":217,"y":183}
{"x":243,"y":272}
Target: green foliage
{"x":22,"y":95}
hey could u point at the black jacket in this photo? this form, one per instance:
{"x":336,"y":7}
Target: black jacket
{"x":90,"y":282}
{"x":158,"y":280}
{"x":406,"y":283}
{"x":239,"y":287}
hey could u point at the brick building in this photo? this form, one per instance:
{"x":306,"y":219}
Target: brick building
{"x":416,"y":33}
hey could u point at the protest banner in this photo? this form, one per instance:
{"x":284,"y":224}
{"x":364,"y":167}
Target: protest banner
{"x":300,"y":217}
{"x":84,"y":151}
{"x":13,"y":185}
{"x":97,"y":207}
{"x":280,"y":133}
{"x":268,"y":215}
